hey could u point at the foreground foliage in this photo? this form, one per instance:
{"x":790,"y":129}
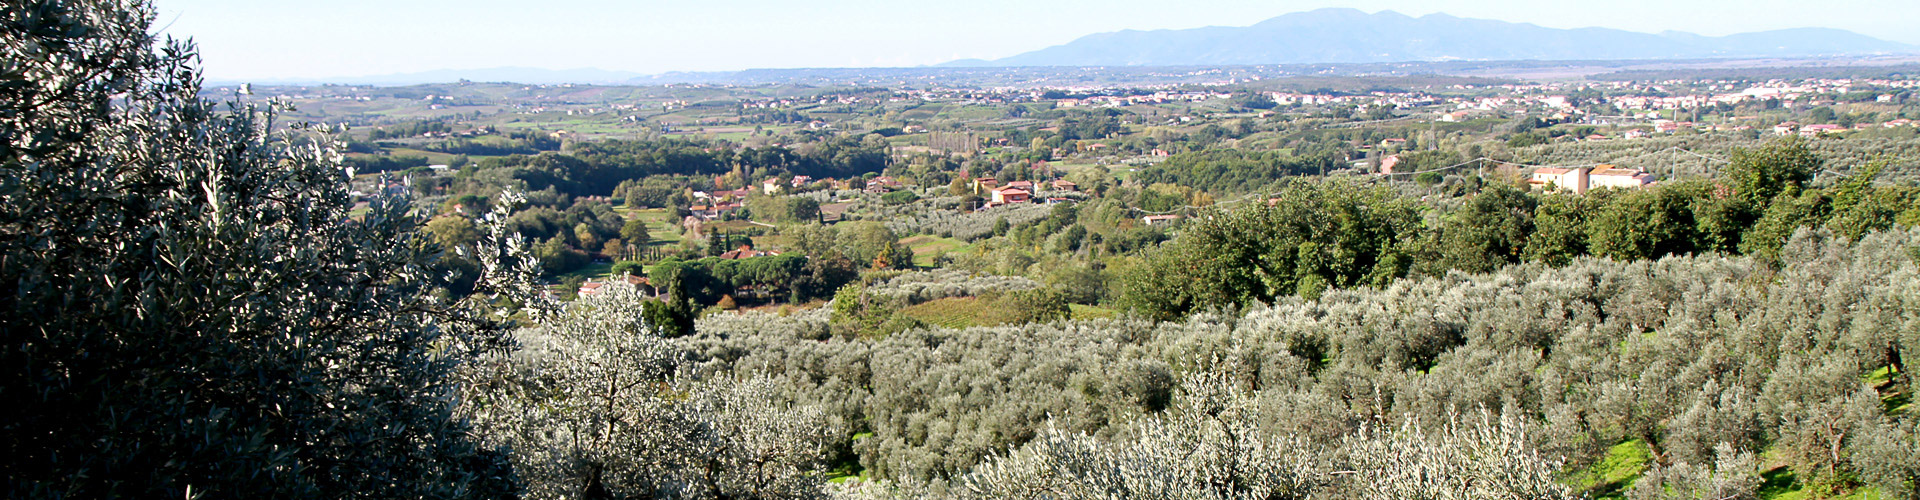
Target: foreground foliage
{"x":185,"y":305}
{"x":593,"y":408}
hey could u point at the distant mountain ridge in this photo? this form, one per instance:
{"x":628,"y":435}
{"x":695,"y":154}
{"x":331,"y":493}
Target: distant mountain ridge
{"x":1352,"y":36}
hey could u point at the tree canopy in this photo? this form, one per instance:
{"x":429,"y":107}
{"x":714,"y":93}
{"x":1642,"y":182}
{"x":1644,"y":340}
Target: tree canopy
{"x":186,"y":306}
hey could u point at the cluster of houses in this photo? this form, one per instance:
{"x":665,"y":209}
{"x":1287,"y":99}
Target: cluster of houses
{"x":1816,"y":130}
{"x":717,"y":204}
{"x":712,"y":206}
{"x":1017,"y":191}
{"x":877,"y":185}
{"x":1785,"y":128}
{"x":1577,"y":180}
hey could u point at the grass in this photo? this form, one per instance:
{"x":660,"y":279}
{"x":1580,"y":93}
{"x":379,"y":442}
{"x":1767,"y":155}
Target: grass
{"x":972,"y":113}
{"x":926,"y":249}
{"x":735,"y":226}
{"x":1614,"y":474}
{"x":1893,"y":399}
{"x":848,"y":468}
{"x":432,"y":157}
{"x":961,"y":312}
{"x":592,"y":271}
{"x":956,"y":312}
{"x":1780,"y":484}
{"x":659,"y":228}
{"x":1085,"y":312}
{"x":968,"y":312}
{"x":774,"y":242}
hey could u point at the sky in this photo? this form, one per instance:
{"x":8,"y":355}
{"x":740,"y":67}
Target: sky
{"x":274,"y":39}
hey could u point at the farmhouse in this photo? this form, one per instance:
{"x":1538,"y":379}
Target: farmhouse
{"x":1388,"y":163}
{"x":746,"y":252}
{"x":1159,"y":219}
{"x":1817,"y":130}
{"x":1581,"y":179}
{"x":1608,"y":176}
{"x":1565,"y":179}
{"x":1009,"y":195}
{"x":596,"y":287}
{"x":713,"y":211}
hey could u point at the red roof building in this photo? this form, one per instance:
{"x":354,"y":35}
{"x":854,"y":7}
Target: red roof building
{"x":1009,"y":195}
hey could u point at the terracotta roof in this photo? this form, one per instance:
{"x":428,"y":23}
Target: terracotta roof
{"x":1617,"y":171}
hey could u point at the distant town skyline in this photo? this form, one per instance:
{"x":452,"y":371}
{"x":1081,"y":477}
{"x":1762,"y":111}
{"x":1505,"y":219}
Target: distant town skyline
{"x":349,"y":38}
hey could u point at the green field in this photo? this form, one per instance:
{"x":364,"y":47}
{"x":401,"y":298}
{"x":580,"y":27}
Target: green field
{"x":592,"y":271}
{"x":663,"y":231}
{"x":432,"y":157}
{"x":928,"y":248}
{"x":1085,"y":312}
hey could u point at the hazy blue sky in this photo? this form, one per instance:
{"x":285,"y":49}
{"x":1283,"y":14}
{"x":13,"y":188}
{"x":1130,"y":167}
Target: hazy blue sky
{"x":265,"y":39}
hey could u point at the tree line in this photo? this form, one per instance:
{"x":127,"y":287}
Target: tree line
{"x":1312,"y":235}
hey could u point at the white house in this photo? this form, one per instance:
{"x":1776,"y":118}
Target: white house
{"x":1579,"y":180}
{"x":1608,"y":176}
{"x":1567,"y":179}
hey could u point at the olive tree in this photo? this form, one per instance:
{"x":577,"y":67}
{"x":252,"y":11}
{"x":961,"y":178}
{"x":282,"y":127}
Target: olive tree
{"x":188,"y":307}
{"x":1209,"y":447}
{"x":1734,"y":475}
{"x":593,"y":407}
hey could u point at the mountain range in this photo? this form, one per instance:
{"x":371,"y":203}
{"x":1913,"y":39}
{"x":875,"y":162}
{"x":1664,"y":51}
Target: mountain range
{"x":1353,"y":36}
{"x":1326,"y":36}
